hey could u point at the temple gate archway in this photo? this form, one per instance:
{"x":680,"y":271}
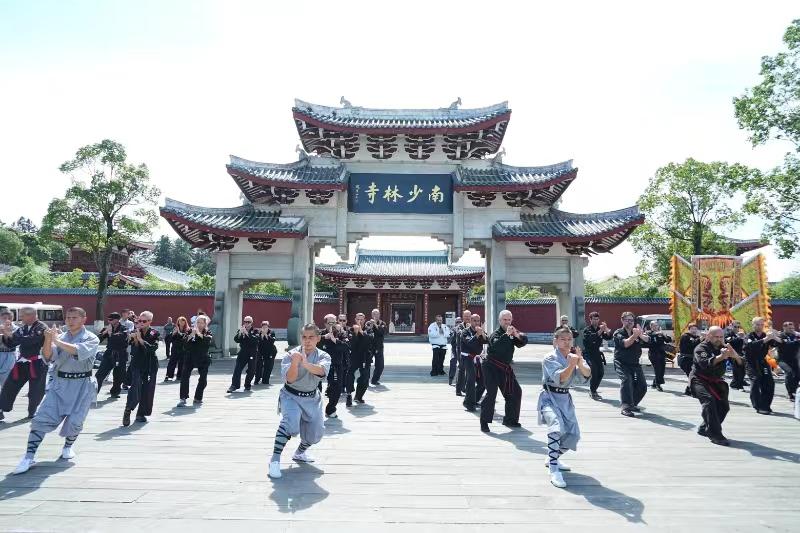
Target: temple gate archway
{"x":430,"y":172}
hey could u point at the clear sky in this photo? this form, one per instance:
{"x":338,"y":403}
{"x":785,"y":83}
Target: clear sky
{"x":620,"y":87}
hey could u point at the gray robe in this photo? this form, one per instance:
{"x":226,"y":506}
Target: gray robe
{"x":556,"y":410}
{"x":69,"y":399}
{"x":300,"y":414}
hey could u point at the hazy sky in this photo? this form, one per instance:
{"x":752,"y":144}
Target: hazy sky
{"x":622,"y":89}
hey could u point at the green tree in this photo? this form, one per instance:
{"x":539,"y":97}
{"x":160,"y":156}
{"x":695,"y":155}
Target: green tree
{"x":771,"y":110}
{"x":69,"y":280}
{"x":203,"y":262}
{"x":181,"y":256}
{"x":524,"y":292}
{"x":320,"y":285}
{"x":203,"y":282}
{"x":688,"y":207}
{"x":270,"y":287}
{"x":11,"y":247}
{"x":29,"y":276}
{"x":24,"y":225}
{"x":788,"y":288}
{"x":162,"y":253}
{"x":109,"y":204}
{"x":153,"y":283}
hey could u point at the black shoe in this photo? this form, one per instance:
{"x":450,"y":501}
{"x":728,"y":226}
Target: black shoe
{"x":596,"y":397}
{"x":125,"y":387}
{"x":376,"y":383}
{"x":628,"y":412}
{"x":484,"y":427}
{"x":247,"y":388}
{"x":688,"y":391}
{"x":720,"y":441}
{"x":450,"y":382}
{"x":636,"y":409}
{"x":458,"y":393}
{"x":360,"y":400}
{"x":2,"y":416}
{"x":791,"y":398}
{"x":141,"y":419}
{"x":702,"y":432}
{"x":126,"y":418}
{"x":512,"y":424}
{"x":763,"y":412}
{"x":349,"y":401}
{"x":659,"y":389}
{"x":653,"y":386}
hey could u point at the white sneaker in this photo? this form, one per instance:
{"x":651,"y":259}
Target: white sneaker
{"x":181,"y":403}
{"x":561,"y":466}
{"x":24,"y":465}
{"x":67,"y":453}
{"x":557,"y":480}
{"x":275,"y":469}
{"x":303,"y":457}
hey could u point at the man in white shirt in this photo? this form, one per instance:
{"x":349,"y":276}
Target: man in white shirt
{"x":438,"y":333}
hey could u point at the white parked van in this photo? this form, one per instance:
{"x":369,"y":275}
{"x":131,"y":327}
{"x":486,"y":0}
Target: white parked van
{"x":52,"y":315}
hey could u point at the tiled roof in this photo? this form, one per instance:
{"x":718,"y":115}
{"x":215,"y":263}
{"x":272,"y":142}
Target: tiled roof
{"x":746,"y":245}
{"x":400,"y":264}
{"x":606,"y":229}
{"x":167,"y":274}
{"x":307,"y":173}
{"x":243,"y":221}
{"x":481,"y":176}
{"x":431,"y":121}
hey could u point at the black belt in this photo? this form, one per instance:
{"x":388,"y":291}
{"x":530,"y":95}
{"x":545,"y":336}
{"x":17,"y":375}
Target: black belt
{"x":302,"y":394}
{"x":559,"y":390}
{"x":74,"y":375}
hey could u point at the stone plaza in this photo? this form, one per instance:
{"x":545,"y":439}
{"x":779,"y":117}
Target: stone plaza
{"x":411,"y":459}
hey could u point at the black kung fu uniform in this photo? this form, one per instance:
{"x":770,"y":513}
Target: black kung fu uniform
{"x":339,"y":350}
{"x":497,"y":373}
{"x":266,"y":357}
{"x":361,"y":350}
{"x":737,"y":343}
{"x":632,"y":386}
{"x":248,"y":353}
{"x":177,"y":355}
{"x":592,"y":342}
{"x":709,"y":387}
{"x":686,"y":346}
{"x":144,"y":371}
{"x":30,"y":368}
{"x":472,"y":344}
{"x":762,"y":384}
{"x":380,"y":332}
{"x":196,"y":357}
{"x":657,"y":353}
{"x":115,"y":358}
{"x":787,"y":359}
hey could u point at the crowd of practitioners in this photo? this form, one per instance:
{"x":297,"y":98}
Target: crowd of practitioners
{"x":57,"y":366}
{"x":481,"y":361}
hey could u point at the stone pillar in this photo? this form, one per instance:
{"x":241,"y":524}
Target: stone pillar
{"x":457,"y":249}
{"x":577,"y":315}
{"x":218,"y":324}
{"x":498,"y":268}
{"x":488,"y":294}
{"x":233,"y":315}
{"x":298,"y":315}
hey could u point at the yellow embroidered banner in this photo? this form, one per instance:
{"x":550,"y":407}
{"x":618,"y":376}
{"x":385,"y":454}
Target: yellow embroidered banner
{"x":717,"y":289}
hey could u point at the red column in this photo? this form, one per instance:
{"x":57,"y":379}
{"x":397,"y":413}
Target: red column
{"x":378,"y":302}
{"x":341,"y":299}
{"x":424,"y":310}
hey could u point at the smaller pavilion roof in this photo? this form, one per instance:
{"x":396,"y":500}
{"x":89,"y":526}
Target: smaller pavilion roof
{"x":553,"y":180}
{"x":746,"y":245}
{"x":310,"y":173}
{"x":603,"y":230}
{"x":355,"y":119}
{"x":400,"y":264}
{"x":201,"y":226}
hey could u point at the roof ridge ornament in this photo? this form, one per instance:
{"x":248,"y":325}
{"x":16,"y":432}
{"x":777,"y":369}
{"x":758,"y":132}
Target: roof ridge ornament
{"x":345,"y":102}
{"x":456,"y":104}
{"x":498,"y":159}
{"x":301,"y":153}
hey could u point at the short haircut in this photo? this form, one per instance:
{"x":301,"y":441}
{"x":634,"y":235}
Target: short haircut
{"x":475,"y":315}
{"x":311,"y":327}
{"x":329,"y":315}
{"x":564,"y":317}
{"x":6,"y":312}
{"x":148,"y":314}
{"x":756,"y":319}
{"x":504,"y":312}
{"x":438,"y":316}
{"x":204,"y":318}
{"x":788,"y":323}
{"x":79,"y":310}
{"x":627,"y":313}
{"x":562,"y":331}
{"x":594,"y":314}
{"x":27,"y":310}
{"x":360,"y":315}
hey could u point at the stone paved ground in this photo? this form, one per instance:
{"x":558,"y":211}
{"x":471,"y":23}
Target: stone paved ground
{"x":410,"y":460}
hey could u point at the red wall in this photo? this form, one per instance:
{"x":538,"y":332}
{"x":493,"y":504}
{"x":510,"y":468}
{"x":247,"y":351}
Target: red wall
{"x":528,"y":317}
